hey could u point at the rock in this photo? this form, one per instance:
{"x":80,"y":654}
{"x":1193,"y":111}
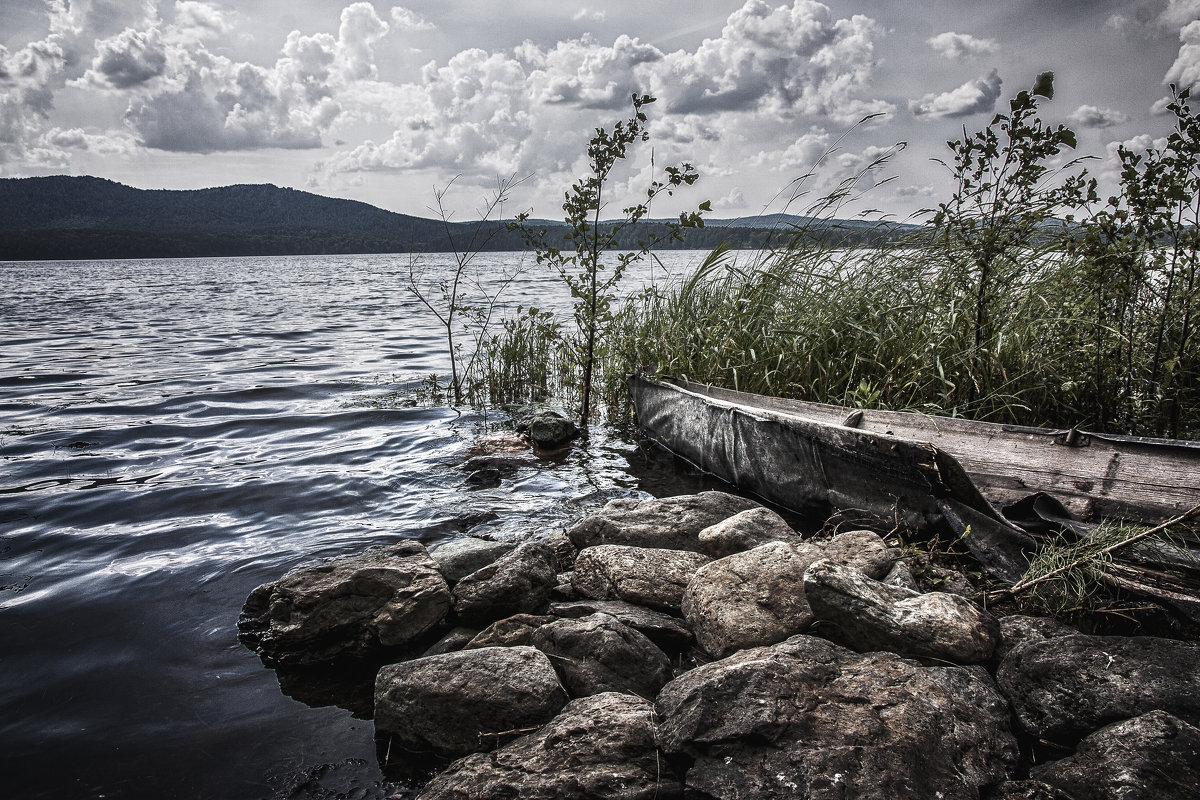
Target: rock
{"x":745,"y":531}
{"x":869,"y":615}
{"x":598,"y":747}
{"x":865,"y":551}
{"x":564,"y":551}
{"x":548,"y":430}
{"x":669,"y":633}
{"x":933,"y":577}
{"x":1153,"y":757}
{"x":900,"y":575}
{"x":1066,"y":687}
{"x":672,"y":523}
{"x":1017,"y":629}
{"x":643,"y":575}
{"x":456,"y":639}
{"x":806,"y":718}
{"x":465,"y":702}
{"x":505,"y":466}
{"x":487,"y":478}
{"x":600,"y":654}
{"x":1025,"y":790}
{"x":518,"y":582}
{"x":346,"y":609}
{"x":508,"y":632}
{"x":458,"y":558}
{"x":750,"y":599}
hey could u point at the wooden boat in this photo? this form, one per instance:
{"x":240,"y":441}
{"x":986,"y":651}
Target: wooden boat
{"x":810,"y":456}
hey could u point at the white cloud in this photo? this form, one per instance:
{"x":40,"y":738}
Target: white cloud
{"x":1185,"y":72}
{"x":405,"y":20}
{"x":589,"y":15}
{"x":359,"y":31}
{"x":128,"y":59}
{"x":582,"y":73}
{"x":734,"y":199}
{"x":1092,"y":117}
{"x":961,"y":46}
{"x":973,"y":97}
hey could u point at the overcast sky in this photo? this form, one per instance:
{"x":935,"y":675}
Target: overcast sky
{"x":382,"y":102}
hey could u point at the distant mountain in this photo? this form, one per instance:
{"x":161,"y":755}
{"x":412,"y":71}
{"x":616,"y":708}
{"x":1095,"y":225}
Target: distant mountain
{"x":90,"y":218}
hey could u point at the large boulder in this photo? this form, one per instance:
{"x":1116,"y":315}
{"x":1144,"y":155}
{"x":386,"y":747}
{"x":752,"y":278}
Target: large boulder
{"x":1017,"y":629}
{"x":672,"y":523}
{"x":669,"y":633}
{"x":467,"y":701}
{"x":600,"y":654}
{"x":346,"y":609}
{"x":1066,"y":687}
{"x":869,"y":615}
{"x":806,"y":718}
{"x":745,"y":531}
{"x":643,"y":575}
{"x":750,"y":599}
{"x":1152,"y":757}
{"x":458,"y":558}
{"x":599,"y":747}
{"x":518,"y":582}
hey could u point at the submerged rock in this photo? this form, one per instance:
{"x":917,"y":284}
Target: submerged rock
{"x":346,"y":609}
{"x":643,"y":575}
{"x":750,"y":599}
{"x":672,"y":523}
{"x":1155,"y":756}
{"x":466,"y":702}
{"x":598,"y":747}
{"x":745,"y":531}
{"x":806,"y":718}
{"x":600,"y":654}
{"x":518,"y":582}
{"x":869,"y":615}
{"x":1066,"y":687}
{"x":548,"y":430}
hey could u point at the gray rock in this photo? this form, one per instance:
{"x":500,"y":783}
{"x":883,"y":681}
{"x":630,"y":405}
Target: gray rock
{"x":599,"y":654}
{"x":863,"y":550}
{"x":456,"y":639}
{"x":669,"y":633}
{"x":643,"y":575}
{"x":465,"y":702}
{"x":750,"y":599}
{"x":350,"y":608}
{"x":745,"y":531}
{"x":1017,"y":629}
{"x":672,"y":523}
{"x":548,"y":430}
{"x":806,"y":718}
{"x":564,"y":550}
{"x":599,"y":748}
{"x":1152,"y":757}
{"x":1025,"y":790}
{"x":868,"y":615}
{"x":518,"y":582}
{"x":900,"y":575}
{"x":508,"y":632}
{"x":458,"y":558}
{"x":1066,"y":687}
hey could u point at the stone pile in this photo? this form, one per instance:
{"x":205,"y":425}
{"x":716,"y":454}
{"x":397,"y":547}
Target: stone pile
{"x":699,"y":647}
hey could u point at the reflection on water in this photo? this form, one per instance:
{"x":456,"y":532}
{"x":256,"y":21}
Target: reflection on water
{"x":174,"y":433}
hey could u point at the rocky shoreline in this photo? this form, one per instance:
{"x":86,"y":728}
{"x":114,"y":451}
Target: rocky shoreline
{"x":698,"y":647}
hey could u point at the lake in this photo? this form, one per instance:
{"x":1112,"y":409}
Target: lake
{"x":174,"y":433}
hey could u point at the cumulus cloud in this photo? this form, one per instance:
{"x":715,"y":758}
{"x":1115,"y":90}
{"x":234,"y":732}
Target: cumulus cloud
{"x":1185,"y":72}
{"x":582,"y":73}
{"x":128,"y":59}
{"x":973,"y":97}
{"x":1092,"y":117}
{"x":405,"y":20}
{"x":793,"y":59}
{"x":961,"y":46}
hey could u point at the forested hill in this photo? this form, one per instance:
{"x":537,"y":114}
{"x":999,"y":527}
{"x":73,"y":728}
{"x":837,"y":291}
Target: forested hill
{"x":90,"y":218}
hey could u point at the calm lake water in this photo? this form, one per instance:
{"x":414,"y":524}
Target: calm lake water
{"x":174,"y":433}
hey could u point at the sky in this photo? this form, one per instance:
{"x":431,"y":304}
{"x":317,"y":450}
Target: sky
{"x":391,"y":104}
